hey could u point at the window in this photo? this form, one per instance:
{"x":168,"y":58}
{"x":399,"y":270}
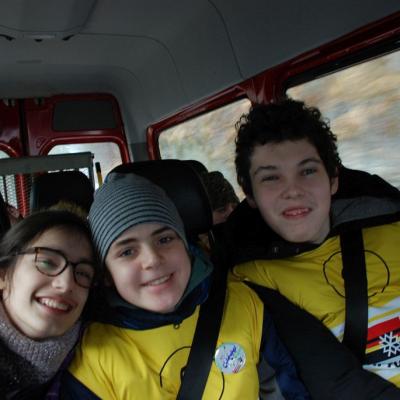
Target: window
{"x":363,"y":105}
{"x":208,"y":138}
{"x":106,"y":153}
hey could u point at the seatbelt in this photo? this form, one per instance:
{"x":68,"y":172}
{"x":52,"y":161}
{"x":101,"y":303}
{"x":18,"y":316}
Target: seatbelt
{"x":204,"y":343}
{"x":356,"y":291}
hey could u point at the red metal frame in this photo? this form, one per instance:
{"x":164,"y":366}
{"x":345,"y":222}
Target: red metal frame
{"x":41,"y":136}
{"x":227,"y":96}
{"x":270,"y":84}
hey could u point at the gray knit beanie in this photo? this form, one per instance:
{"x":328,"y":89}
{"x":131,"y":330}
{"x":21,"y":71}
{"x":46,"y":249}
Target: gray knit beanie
{"x":126,"y":200}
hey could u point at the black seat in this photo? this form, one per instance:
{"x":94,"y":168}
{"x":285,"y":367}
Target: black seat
{"x":184,"y":187}
{"x":71,"y":186}
{"x":4,"y":219}
{"x":199,"y":167}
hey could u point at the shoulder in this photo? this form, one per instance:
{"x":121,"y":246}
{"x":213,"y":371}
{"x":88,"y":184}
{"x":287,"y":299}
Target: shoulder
{"x":100,"y":336}
{"x":243,"y":315}
{"x":242,"y":296}
{"x":99,"y":340}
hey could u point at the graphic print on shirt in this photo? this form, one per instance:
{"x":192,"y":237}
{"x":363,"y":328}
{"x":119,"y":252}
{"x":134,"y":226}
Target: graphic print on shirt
{"x":383,"y":337}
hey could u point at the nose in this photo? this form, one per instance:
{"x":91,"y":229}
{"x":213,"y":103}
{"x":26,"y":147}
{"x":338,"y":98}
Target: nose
{"x":150,"y":257}
{"x":292,"y":190}
{"x":65,"y":281}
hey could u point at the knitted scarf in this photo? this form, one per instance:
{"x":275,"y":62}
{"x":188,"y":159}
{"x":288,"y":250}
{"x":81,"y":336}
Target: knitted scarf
{"x":26,"y":362}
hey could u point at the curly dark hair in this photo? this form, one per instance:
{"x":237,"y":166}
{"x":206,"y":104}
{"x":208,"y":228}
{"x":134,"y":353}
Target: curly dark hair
{"x":277,"y":122}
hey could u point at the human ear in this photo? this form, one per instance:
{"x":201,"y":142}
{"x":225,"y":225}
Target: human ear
{"x":251,"y":201}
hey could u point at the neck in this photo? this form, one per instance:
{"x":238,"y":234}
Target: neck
{"x":45,"y":356}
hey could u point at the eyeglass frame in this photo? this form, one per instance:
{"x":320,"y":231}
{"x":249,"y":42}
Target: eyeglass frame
{"x":36,"y":249}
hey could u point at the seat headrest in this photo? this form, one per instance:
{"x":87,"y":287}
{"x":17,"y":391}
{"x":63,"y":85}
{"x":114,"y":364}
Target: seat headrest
{"x":199,"y":167}
{"x":50,"y":188}
{"x":355,"y":183}
{"x":4,"y":219}
{"x":182,"y":185}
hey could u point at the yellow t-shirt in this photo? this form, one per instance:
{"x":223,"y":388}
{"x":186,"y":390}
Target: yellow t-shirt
{"x":125,"y":364}
{"x":313,"y":280}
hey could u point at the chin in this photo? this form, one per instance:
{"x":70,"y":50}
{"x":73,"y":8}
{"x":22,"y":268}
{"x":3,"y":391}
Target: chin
{"x":297,"y":238}
{"x":162,"y":308}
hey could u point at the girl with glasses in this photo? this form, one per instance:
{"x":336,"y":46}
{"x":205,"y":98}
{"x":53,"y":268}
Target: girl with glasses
{"x":46,"y":271}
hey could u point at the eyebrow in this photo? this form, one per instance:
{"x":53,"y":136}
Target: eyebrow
{"x":123,"y":242}
{"x":57,"y":250}
{"x":274,"y":167}
{"x":161,"y":230}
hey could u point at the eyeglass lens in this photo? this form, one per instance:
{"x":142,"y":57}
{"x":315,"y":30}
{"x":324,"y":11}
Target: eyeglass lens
{"x":52,"y":263}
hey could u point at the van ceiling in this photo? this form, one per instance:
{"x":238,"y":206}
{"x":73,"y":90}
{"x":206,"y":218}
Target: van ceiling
{"x":157,"y":56}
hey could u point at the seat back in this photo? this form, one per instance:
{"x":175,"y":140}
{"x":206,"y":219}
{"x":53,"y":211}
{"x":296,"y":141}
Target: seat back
{"x":199,"y":167}
{"x":182,"y":185}
{"x":71,"y":186}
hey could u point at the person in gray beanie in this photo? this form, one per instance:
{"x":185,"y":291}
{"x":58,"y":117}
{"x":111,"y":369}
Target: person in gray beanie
{"x":126,"y":200}
{"x":138,"y":348}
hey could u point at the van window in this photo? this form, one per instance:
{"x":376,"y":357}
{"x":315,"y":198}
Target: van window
{"x":363,"y":105}
{"x":106,"y":153}
{"x":208,"y":138}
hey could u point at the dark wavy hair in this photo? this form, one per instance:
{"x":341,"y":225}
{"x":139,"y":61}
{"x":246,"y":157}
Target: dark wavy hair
{"x":20,"y":235}
{"x":277,"y":122}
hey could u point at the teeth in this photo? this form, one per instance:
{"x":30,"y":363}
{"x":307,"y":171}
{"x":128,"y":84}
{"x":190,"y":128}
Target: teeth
{"x":54,"y":304}
{"x":298,"y":211}
{"x":158,"y":281}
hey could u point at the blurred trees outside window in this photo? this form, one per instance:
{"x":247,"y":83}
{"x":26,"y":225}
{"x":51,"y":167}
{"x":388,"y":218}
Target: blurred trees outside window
{"x":362,"y":103}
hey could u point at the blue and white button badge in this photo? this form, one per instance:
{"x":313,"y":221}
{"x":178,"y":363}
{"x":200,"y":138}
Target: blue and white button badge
{"x":230,"y":358}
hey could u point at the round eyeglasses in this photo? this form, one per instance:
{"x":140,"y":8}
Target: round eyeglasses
{"x":53,"y":262}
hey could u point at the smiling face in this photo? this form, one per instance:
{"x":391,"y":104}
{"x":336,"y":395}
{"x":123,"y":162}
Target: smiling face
{"x":150,"y":267}
{"x":41,"y":306}
{"x":292,"y":190}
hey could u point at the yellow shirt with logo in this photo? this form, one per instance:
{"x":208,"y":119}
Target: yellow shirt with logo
{"x":313,"y":280}
{"x":125,"y":364}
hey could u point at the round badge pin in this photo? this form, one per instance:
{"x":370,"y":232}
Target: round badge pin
{"x":230,"y":358}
